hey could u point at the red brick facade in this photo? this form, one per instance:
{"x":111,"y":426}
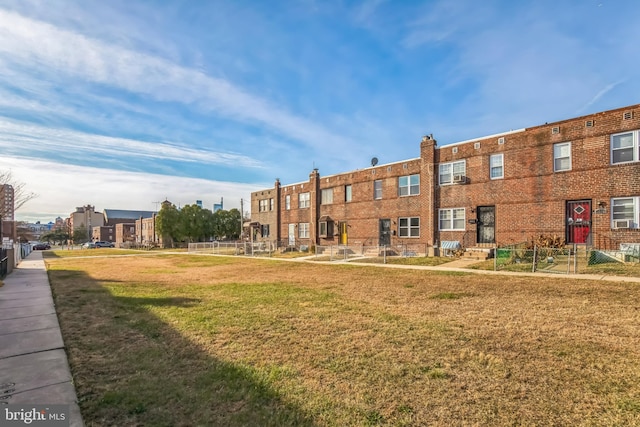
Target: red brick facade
{"x":578,"y":179}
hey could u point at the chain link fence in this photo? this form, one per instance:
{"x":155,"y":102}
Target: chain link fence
{"x":568,"y":260}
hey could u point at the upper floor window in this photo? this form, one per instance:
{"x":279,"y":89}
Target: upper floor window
{"x":409,"y":227}
{"x":262,"y":205}
{"x":327,"y":196}
{"x":347,"y":193}
{"x":452,"y":172}
{"x":625,"y":147}
{"x":287,"y":201}
{"x":625,"y":212}
{"x":304,"y":201}
{"x":451,"y":219}
{"x":496,"y":166}
{"x":377,"y":189}
{"x":562,"y":157}
{"x":271,"y":204}
{"x":409,"y":185}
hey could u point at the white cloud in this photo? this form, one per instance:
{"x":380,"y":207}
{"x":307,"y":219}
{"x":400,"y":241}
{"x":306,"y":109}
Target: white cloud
{"x":35,"y":45}
{"x":61,"y":188}
{"x":16,"y":136}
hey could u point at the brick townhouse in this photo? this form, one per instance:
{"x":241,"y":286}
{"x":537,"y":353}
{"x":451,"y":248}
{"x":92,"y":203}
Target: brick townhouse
{"x":578,"y":179}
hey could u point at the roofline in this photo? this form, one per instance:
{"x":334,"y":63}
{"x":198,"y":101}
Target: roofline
{"x":495,"y":135}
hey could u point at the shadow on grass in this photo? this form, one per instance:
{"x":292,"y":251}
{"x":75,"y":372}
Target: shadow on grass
{"x":130,"y":367}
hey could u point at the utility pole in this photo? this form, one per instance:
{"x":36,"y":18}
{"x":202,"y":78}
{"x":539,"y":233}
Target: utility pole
{"x":241,"y":216}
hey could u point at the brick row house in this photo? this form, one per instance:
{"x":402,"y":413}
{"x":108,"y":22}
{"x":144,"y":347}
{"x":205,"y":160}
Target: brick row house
{"x":578,"y":179}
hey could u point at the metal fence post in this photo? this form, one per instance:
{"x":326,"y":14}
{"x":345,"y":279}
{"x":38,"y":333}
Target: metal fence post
{"x":533,"y":268}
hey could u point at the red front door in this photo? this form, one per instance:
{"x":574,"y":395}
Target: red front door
{"x":578,"y":221}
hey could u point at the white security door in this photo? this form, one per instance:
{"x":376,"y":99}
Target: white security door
{"x":292,"y":234}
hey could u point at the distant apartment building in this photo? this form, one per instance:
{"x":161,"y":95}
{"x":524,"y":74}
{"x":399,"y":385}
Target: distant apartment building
{"x":578,"y":179}
{"x":85,"y":217}
{"x":104,"y":233}
{"x":7,"y":202}
{"x":125,"y":234}
{"x":146,"y":234}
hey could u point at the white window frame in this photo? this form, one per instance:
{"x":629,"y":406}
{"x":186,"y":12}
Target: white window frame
{"x":264,"y":230}
{"x":447,"y":219}
{"x":348,"y":193}
{"x":448,"y":170}
{"x":559,"y":155}
{"x":326,"y":196}
{"x":496,"y":163}
{"x":635,"y":146}
{"x":325,"y":228}
{"x":617,"y":215}
{"x":377,"y":189}
{"x":303,"y":230}
{"x":271,"y":204}
{"x":262,"y":205}
{"x":409,"y":185}
{"x":304,"y":200}
{"x":409,"y":227}
{"x":287,"y":202}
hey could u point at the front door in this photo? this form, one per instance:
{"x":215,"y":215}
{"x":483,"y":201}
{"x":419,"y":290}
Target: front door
{"x":384,"y":238}
{"x":292,"y":234}
{"x":486,"y":224}
{"x":578,"y":221}
{"x":342,"y":230}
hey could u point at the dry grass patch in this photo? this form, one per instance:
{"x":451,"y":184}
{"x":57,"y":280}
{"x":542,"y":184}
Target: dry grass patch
{"x":176,"y":340}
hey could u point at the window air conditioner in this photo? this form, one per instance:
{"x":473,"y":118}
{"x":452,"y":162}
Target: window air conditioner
{"x":459,"y":179}
{"x":621,"y":223}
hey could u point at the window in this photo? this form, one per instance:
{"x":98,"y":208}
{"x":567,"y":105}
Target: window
{"x":271,"y":204}
{"x":377,"y":189}
{"x":450,"y":170}
{"x":262,"y":205}
{"x":562,"y":157}
{"x":452,"y":219}
{"x":303,"y":230}
{"x":287,"y":201}
{"x":624,"y":147}
{"x":325,"y":228}
{"x":304,"y":200}
{"x":409,"y":227}
{"x":347,"y":193}
{"x":625,"y":212}
{"x":496,"y":166}
{"x":327,"y":196}
{"x":264,"y":230}
{"x":409,"y":185}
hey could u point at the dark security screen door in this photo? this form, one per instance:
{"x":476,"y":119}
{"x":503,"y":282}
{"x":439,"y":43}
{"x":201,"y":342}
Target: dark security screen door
{"x":578,"y":221}
{"x":486,"y":224}
{"x":385,"y":232}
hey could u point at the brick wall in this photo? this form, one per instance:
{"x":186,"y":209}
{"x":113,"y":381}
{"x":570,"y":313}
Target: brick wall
{"x":530,"y":199}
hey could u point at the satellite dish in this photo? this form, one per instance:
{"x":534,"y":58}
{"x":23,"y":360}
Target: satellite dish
{"x":374,"y":161}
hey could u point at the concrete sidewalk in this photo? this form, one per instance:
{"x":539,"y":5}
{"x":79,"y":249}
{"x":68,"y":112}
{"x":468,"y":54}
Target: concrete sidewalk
{"x":33,"y":363}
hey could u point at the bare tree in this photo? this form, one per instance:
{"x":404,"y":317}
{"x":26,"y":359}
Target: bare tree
{"x":20,"y":195}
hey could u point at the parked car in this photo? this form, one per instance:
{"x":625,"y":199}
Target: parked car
{"x":89,"y":245}
{"x":41,"y":247}
{"x":104,"y":245}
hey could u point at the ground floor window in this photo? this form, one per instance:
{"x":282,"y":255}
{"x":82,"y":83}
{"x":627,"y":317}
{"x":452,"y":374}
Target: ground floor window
{"x":303,"y":230}
{"x":409,"y":227}
{"x":625,"y":212}
{"x":264,"y":230}
{"x":325,"y":228}
{"x":451,"y":219}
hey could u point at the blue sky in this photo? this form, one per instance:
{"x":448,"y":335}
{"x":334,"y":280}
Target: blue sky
{"x":121,"y":104}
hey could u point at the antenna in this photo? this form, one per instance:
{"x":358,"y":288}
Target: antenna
{"x":374,"y":161}
{"x":156,"y":203}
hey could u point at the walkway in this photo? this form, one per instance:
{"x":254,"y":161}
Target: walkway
{"x":33,"y":364}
